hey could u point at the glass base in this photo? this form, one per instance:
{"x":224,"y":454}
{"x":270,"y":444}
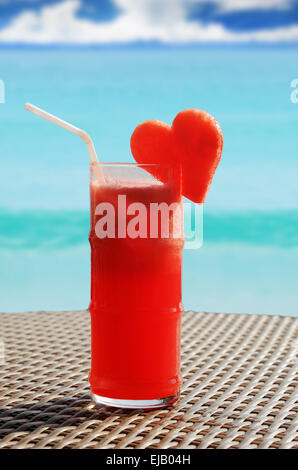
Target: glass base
{"x":135,"y":404}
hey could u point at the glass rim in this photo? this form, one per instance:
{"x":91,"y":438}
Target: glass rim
{"x":130,"y":164}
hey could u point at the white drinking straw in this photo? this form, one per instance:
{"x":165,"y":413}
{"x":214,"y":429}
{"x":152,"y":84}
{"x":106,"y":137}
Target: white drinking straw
{"x":69,"y":127}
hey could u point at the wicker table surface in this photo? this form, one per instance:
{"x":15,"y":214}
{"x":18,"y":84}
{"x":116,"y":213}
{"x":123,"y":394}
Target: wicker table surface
{"x":239,"y":386}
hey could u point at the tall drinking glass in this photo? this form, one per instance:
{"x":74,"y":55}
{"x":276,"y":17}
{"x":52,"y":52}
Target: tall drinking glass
{"x":136,"y":240}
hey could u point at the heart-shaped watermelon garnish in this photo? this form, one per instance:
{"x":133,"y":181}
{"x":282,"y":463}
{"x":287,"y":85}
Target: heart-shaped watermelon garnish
{"x":194,"y":143}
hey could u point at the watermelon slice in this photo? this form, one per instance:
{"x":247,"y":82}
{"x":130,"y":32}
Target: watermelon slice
{"x":194,"y":142}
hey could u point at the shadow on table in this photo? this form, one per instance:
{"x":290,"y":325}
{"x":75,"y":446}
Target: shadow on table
{"x":66,"y":411}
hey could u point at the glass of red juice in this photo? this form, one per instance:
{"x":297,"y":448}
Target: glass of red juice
{"x":136,"y":240}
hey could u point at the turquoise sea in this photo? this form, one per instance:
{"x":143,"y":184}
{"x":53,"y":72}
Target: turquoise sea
{"x":249,"y":259}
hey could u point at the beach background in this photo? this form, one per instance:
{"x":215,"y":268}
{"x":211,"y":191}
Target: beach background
{"x":249,"y":260}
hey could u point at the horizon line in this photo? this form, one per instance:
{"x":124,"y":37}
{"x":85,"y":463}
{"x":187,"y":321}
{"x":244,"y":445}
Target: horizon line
{"x":147,"y":44}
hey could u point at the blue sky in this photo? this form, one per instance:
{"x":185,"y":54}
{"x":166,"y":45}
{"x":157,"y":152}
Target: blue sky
{"x":166,"y":21}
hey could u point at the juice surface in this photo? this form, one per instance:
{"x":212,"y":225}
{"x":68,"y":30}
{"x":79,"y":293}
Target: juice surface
{"x":135,"y":300}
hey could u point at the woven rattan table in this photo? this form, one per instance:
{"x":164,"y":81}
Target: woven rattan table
{"x":239,"y":389}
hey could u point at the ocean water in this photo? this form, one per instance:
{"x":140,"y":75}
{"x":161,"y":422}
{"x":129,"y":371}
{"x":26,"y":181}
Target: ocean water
{"x":249,"y":259}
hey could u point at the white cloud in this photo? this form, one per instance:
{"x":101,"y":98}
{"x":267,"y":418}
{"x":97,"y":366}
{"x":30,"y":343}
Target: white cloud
{"x":240,"y":5}
{"x":139,"y":20}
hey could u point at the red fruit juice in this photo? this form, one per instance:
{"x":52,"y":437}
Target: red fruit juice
{"x":135,"y":293}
